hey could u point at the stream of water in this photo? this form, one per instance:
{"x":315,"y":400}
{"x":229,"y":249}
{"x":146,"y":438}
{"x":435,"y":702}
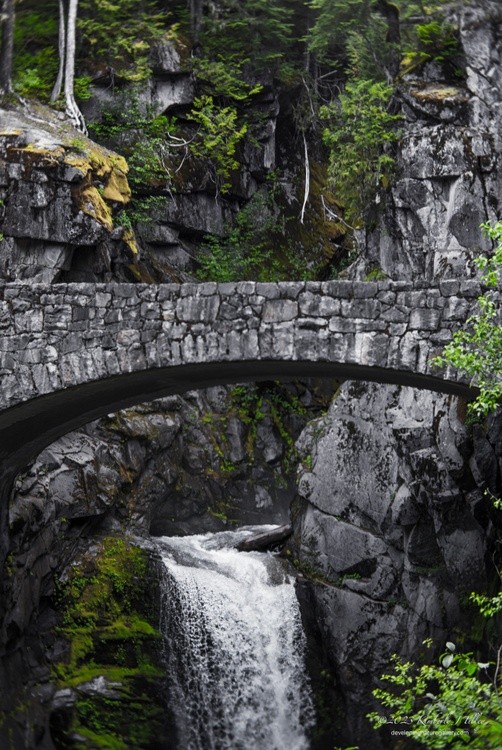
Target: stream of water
{"x":235,"y":648}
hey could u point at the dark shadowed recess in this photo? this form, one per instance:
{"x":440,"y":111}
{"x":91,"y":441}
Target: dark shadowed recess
{"x":26,"y":429}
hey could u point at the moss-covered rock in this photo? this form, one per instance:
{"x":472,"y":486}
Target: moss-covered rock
{"x":111,"y":679}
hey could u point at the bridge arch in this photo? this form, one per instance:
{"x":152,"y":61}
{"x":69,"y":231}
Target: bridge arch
{"x":70,"y":353}
{"x":27,"y":428}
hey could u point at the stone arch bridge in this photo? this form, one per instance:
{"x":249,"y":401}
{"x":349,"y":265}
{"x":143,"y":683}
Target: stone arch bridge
{"x":70,"y":353}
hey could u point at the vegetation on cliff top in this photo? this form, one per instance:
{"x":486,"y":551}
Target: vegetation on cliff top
{"x":477,"y":350}
{"x":312,"y":50}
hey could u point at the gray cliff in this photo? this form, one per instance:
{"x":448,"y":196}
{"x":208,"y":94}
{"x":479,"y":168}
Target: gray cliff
{"x":391,"y":511}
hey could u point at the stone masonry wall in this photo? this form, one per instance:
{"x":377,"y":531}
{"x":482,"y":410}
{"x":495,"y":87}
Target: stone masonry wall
{"x":64,"y":335}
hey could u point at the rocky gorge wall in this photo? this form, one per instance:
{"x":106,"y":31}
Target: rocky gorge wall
{"x":391,"y":530}
{"x":390,"y":514}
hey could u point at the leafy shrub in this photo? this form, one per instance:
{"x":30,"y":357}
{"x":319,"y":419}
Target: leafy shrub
{"x":360,"y":126}
{"x":249,"y":249}
{"x":451,"y":705}
{"x":35,"y":60}
{"x":144,"y":140}
{"x":477,"y":350}
{"x":222,"y":77}
{"x":258,"y":32}
{"x":437,"y":40}
{"x":217,"y":139}
{"x":120,"y":34}
{"x":138,"y":210}
{"x":82,"y":88}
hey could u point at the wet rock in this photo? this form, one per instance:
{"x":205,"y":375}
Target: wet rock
{"x":268,"y":540}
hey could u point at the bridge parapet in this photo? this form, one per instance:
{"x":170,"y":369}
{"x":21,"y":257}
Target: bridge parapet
{"x":56,"y":336}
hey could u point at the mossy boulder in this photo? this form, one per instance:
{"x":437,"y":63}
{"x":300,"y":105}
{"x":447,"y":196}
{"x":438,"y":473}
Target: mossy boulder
{"x":111,"y":682}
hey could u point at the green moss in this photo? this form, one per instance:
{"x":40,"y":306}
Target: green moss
{"x":109,"y":619}
{"x":129,"y":627}
{"x":375,"y":274}
{"x":109,"y":741}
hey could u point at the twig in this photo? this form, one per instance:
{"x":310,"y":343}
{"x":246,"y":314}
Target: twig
{"x":334,"y":216}
{"x":307,"y":179}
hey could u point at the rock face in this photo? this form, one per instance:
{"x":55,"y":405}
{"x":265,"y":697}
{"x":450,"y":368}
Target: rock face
{"x":448,"y":177}
{"x":189,"y":206}
{"x":391,"y":520}
{"x":58,"y":192}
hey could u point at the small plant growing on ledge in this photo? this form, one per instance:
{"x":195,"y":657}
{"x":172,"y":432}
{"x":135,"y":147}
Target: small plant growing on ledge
{"x":477,"y":351}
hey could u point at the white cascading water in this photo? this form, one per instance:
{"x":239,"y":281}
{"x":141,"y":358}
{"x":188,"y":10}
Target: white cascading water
{"x":235,"y":646}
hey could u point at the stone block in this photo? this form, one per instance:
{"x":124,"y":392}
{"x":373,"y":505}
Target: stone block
{"x":424,"y":319}
{"x":275,"y":311}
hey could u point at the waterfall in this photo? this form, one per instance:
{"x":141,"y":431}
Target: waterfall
{"x":235,"y":647}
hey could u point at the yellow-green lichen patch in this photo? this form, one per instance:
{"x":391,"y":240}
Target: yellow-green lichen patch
{"x":12,"y":133}
{"x":117,"y":188}
{"x":105,"y":169}
{"x":104,"y":183}
{"x":439,"y":93}
{"x":31,"y":156}
{"x":90,"y":202}
{"x":130,"y":240}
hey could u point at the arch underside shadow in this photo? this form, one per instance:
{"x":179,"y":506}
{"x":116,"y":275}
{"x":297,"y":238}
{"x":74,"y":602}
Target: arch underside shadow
{"x":26,"y":429}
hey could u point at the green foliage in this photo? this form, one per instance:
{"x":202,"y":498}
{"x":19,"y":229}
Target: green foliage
{"x":477,"y":349}
{"x":368,"y":53}
{"x":139,"y":210}
{"x":437,"y":40}
{"x":247,"y":252}
{"x":82,"y":88}
{"x":253,"y":404}
{"x":145,"y":141}
{"x":217,"y":138}
{"x":222,"y":77}
{"x":453,"y":704}
{"x":447,"y":705}
{"x":489,"y":606}
{"x":375,"y":274}
{"x":335,"y":20}
{"x":258,"y":31}
{"x":359,"y":127}
{"x":105,"y":587}
{"x":35,"y":58}
{"x":119,"y":35}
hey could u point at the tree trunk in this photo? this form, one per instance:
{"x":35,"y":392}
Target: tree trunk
{"x":391,"y":14}
{"x":196,"y":18}
{"x":72,"y":109}
{"x":7,"y":46}
{"x":56,"y":91}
